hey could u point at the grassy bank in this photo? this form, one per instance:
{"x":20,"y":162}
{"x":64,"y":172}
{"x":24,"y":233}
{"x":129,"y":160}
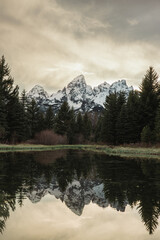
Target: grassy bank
{"x":151,"y":152}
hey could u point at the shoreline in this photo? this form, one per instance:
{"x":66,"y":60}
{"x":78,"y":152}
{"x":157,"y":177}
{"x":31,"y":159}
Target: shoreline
{"x":136,"y":152}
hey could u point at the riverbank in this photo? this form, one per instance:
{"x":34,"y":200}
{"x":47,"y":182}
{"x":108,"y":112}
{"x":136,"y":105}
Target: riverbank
{"x":141,"y":152}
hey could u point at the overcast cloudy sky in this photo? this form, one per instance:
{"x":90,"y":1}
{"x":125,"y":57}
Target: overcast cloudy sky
{"x":49,"y":42}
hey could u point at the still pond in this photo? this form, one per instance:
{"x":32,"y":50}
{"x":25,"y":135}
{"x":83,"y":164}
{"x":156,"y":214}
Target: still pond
{"x":76,"y":195}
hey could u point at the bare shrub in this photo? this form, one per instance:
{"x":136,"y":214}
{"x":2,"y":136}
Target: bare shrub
{"x":48,"y":137}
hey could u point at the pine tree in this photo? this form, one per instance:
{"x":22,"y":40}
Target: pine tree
{"x":79,"y":123}
{"x":121,"y":126}
{"x":3,"y":121}
{"x":6,"y":81}
{"x":49,"y":118}
{"x":15,"y":118}
{"x":23,"y":100}
{"x":62,"y":119}
{"x":7,"y":94}
{"x":87,"y":126}
{"x":133,"y":116}
{"x":146,"y":135}
{"x":41,"y":122}
{"x":98,"y":130}
{"x":32,"y":117}
{"x":149,"y":97}
{"x":110,"y":119}
{"x":72,"y":127}
{"x":113,"y":105}
{"x":157,"y":126}
{"x":24,"y":120}
{"x":121,"y":100}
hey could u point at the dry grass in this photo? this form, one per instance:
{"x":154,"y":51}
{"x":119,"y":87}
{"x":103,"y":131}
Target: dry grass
{"x":124,"y":151}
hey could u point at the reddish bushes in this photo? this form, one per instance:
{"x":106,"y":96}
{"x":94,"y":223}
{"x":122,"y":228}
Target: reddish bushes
{"x":48,"y":137}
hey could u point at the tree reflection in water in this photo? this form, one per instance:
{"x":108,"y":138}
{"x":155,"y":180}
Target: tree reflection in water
{"x":121,"y":181}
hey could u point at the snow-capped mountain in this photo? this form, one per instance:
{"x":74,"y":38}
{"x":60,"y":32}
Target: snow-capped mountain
{"x":37,"y":93}
{"x":78,"y":193}
{"x":78,"y":94}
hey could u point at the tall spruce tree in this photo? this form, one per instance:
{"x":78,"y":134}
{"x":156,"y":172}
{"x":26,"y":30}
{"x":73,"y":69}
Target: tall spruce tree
{"x":79,"y":123}
{"x":8,"y":93}
{"x":49,"y":118}
{"x":113,"y":105}
{"x":24,"y":120}
{"x":149,"y":97}
{"x":133,"y":117}
{"x":41,"y":121}
{"x":146,"y":135}
{"x":110,"y":119}
{"x":87,"y":127}
{"x":71,"y":127}
{"x":15,"y":118}
{"x":62,"y":119}
{"x":157,"y":126}
{"x":23,"y":99}
{"x":32,"y":117}
{"x":121,"y":100}
{"x":121,"y":126}
{"x":98,"y":130}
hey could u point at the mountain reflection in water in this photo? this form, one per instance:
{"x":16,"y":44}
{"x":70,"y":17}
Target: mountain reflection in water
{"x":79,"y":178}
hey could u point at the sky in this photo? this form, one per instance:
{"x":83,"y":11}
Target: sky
{"x":52,"y":219}
{"x":50,"y":42}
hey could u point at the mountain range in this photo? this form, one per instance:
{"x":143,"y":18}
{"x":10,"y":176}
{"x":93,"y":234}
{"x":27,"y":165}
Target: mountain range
{"x":78,"y":94}
{"x":77,"y":194}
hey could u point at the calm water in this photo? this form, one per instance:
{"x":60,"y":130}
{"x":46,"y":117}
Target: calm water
{"x":75,"y":195}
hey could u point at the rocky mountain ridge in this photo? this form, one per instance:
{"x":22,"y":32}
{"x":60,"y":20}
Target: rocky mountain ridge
{"x":78,"y":94}
{"x":77,"y":194}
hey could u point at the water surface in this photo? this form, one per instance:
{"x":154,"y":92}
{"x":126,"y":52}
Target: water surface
{"x":73,"y":194}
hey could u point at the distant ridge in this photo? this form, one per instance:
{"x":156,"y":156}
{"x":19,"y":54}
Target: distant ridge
{"x":78,"y":94}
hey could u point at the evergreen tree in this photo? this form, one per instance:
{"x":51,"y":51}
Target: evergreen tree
{"x":110,"y":119}
{"x":6,"y":81}
{"x":146,"y":134}
{"x":41,"y":122}
{"x":23,"y":99}
{"x":133,"y":117}
{"x":71,"y":127}
{"x":98,"y":130}
{"x":121,"y":100}
{"x":8,"y":93}
{"x":32,"y":117}
{"x":87,"y":127}
{"x":79,"y":123}
{"x":113,"y":105}
{"x":62,"y":119}
{"x":15,"y":119}
{"x":121,"y":126}
{"x":157,"y":125}
{"x":49,"y":118}
{"x":149,"y":97}
{"x":24,"y":120}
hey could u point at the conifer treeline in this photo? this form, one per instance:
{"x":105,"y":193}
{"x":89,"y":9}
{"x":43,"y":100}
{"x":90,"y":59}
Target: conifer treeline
{"x":124,"y":120}
{"x":132,"y":119}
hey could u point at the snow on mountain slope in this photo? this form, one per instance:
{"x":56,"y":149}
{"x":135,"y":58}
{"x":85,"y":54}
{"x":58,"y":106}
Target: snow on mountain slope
{"x":37,"y":92}
{"x":79,"y":95}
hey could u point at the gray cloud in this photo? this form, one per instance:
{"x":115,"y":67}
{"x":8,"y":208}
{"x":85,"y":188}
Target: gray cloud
{"x":49,"y":42}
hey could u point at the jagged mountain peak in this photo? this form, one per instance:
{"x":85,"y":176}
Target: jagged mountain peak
{"x":79,"y":82}
{"x":37,"y":92}
{"x":120,"y":85}
{"x":79,"y":95}
{"x":37,"y":88}
{"x":77,"y":194}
